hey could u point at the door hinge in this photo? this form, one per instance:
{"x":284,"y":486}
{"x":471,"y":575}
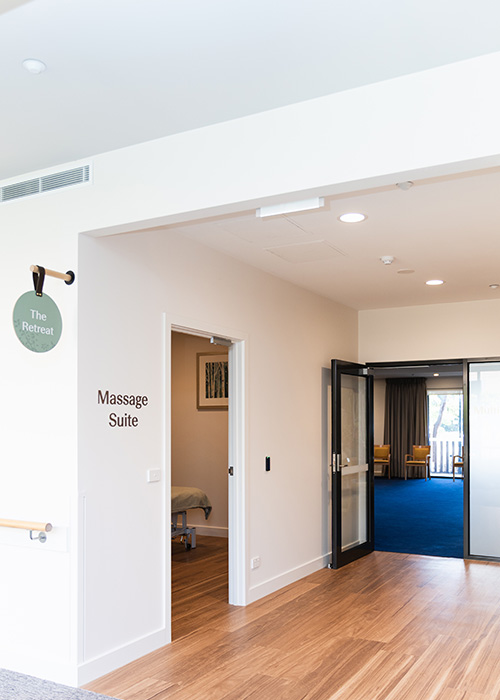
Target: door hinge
{"x":335,"y":463}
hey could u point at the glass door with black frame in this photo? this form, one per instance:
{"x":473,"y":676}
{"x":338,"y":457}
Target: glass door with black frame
{"x":352,"y":463}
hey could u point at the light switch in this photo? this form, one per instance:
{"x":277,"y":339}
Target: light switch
{"x":154,"y":475}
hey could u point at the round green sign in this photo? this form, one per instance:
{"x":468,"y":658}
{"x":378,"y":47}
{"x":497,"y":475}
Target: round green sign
{"x":37,"y":322}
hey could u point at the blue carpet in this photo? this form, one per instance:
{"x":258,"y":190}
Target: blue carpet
{"x":419,"y":517}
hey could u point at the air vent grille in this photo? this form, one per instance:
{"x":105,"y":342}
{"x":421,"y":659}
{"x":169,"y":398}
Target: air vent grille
{"x":46,"y":183}
{"x":20,"y":189}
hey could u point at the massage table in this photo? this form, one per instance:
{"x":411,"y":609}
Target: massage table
{"x":183,"y":499}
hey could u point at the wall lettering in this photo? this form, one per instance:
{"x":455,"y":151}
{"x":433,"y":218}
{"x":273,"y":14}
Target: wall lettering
{"x":124,"y":420}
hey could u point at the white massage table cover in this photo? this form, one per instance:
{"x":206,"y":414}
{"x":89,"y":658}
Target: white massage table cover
{"x":186,"y":497}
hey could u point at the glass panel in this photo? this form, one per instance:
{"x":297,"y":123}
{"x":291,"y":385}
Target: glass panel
{"x":484,"y":458}
{"x":353,"y":460}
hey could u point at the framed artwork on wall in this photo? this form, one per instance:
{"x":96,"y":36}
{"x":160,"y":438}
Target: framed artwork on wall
{"x":213,"y":381}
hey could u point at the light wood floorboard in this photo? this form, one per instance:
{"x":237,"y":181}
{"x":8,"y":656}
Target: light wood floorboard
{"x":387,"y":627}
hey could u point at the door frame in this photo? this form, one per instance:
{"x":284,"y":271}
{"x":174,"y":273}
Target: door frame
{"x":237,"y":491}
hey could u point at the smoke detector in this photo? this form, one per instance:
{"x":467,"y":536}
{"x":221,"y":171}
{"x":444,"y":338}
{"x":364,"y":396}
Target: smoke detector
{"x":387,"y":259}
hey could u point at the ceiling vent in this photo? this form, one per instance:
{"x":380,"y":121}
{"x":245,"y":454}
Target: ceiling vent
{"x":46,"y":183}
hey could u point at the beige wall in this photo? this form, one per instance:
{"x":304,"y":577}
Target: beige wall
{"x":289,"y":337}
{"x":438,"y":331}
{"x":445,"y":383}
{"x":199,"y":436}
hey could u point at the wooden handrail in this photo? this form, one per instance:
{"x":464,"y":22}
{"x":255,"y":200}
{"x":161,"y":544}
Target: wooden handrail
{"x":26,"y":525}
{"x":52,"y":273}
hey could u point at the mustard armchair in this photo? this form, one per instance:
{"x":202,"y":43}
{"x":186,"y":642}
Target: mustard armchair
{"x":382,"y":457}
{"x":458,"y":463}
{"x":420,"y":458}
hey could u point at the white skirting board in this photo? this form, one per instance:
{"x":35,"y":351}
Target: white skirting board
{"x":209,"y":530}
{"x":274,"y":584}
{"x":94,"y":668}
{"x":97,"y":667}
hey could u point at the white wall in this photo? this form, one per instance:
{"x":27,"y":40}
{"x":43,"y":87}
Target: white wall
{"x":199,"y":436}
{"x":37,"y":454}
{"x":416,"y":124}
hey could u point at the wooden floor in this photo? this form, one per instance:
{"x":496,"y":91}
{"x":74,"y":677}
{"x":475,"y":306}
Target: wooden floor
{"x":390,"y":626}
{"x":199,"y":584}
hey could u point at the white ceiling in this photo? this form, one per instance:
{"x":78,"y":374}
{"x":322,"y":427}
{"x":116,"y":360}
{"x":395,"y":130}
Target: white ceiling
{"x":447,"y":229}
{"x":125,"y":71}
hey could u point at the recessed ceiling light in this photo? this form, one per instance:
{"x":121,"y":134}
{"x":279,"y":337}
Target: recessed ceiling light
{"x":34,"y":65}
{"x":405,"y":271}
{"x":436,"y":374}
{"x":494,"y":286}
{"x":434,"y":283}
{"x":404,"y":185}
{"x":352,"y":217}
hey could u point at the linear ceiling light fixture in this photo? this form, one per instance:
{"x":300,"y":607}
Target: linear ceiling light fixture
{"x":290,"y":207}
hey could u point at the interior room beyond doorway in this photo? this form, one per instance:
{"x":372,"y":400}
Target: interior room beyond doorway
{"x":199,"y":455}
{"x":414,"y":514}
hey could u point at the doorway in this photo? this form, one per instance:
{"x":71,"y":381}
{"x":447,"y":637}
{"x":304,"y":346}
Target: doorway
{"x":415,"y":514}
{"x":199,"y":474}
{"x":234,"y":472}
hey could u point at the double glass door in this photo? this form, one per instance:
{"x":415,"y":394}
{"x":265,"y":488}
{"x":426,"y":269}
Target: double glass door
{"x":352,"y":463}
